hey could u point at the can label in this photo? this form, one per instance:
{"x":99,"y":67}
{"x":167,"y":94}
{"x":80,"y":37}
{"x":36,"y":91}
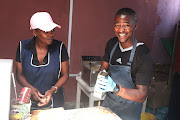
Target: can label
{"x":98,"y":91}
{"x":15,"y":114}
{"x":25,"y":95}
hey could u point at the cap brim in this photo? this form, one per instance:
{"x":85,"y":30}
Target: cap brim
{"x":49,"y":27}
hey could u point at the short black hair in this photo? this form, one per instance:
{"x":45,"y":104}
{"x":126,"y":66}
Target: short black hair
{"x":127,"y":11}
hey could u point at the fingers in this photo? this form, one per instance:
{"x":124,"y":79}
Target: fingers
{"x":35,"y":94}
{"x":40,"y":95}
{"x":105,"y":86}
{"x":110,"y":79}
{"x":44,"y":101}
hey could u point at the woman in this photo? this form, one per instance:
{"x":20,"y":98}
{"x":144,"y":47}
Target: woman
{"x":42,"y":63}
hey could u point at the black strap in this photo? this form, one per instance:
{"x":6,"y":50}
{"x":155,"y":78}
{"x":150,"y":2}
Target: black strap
{"x":131,"y":55}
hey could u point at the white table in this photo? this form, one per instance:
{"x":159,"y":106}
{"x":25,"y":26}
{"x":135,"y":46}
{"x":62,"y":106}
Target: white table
{"x":89,"y":113}
{"x":82,"y":86}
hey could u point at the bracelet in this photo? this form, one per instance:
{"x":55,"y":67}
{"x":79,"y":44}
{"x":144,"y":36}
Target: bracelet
{"x":55,"y":88}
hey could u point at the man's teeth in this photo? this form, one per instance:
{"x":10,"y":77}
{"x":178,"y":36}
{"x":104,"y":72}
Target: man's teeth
{"x":122,"y":35}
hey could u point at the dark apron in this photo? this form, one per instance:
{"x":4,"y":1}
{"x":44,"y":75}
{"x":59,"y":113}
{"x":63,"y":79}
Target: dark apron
{"x":121,"y":75}
{"x":43,"y":77}
{"x":57,"y":100}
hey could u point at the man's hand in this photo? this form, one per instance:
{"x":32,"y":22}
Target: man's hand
{"x":104,"y":83}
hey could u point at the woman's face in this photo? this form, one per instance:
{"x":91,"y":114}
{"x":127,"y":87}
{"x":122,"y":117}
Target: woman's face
{"x":124,"y":27}
{"x":44,"y":37}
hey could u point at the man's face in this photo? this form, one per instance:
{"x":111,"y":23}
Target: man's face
{"x":124,"y":27}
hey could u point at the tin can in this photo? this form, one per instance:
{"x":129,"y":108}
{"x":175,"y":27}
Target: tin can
{"x":25,"y":95}
{"x":15,"y":114}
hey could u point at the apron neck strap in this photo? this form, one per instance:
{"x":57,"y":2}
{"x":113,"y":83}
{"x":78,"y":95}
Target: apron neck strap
{"x":112,"y":52}
{"x":131,"y":55}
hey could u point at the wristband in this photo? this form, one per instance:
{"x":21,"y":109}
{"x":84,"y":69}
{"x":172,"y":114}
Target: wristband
{"x":55,"y":88}
{"x":116,"y":89}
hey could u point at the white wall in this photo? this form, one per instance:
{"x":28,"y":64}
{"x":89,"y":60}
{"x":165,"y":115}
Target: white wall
{"x":5,"y":89}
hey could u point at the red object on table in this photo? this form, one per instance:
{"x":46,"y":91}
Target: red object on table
{"x":24,"y":95}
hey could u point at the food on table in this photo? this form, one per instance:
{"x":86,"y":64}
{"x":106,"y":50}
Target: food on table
{"x":95,"y":113}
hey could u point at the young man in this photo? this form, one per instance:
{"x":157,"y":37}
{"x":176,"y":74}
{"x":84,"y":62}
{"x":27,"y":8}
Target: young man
{"x":129,"y":64}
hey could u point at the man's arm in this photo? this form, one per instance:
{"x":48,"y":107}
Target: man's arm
{"x":143,"y":80}
{"x":104,"y":65}
{"x":137,"y":95}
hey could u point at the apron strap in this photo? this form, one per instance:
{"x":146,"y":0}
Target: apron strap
{"x":132,"y":53}
{"x":112,"y":52}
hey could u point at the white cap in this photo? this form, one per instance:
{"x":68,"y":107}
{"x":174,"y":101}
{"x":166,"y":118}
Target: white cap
{"x":42,"y":21}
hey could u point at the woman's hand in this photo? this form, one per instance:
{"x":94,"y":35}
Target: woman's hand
{"x":46,"y":98}
{"x":35,"y":94}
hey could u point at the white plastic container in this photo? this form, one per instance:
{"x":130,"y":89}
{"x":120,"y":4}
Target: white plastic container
{"x":98,"y":92}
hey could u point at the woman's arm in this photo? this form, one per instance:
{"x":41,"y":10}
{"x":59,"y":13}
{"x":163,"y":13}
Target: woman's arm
{"x":64,"y":75}
{"x":23,"y":82}
{"x":20,"y":76}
